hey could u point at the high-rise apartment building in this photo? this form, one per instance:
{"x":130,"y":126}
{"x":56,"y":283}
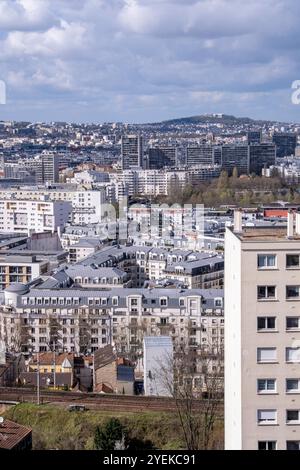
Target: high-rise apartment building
{"x":261,"y":156}
{"x":47,"y":168}
{"x":132,"y":152}
{"x":262,"y":336}
{"x":162,"y":156}
{"x":235,"y":156}
{"x":285,"y":143}
{"x":254,"y":137}
{"x":202,"y":155}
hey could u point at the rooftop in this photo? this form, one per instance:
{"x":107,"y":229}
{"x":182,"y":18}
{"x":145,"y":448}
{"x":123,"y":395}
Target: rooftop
{"x":265,"y":234}
{"x":11,"y":434}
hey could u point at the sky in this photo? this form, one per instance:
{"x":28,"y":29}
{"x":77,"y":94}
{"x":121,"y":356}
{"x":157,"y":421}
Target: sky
{"x":148,"y":60}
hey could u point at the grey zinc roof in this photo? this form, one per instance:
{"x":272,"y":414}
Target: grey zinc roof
{"x":87,"y":242}
{"x":91,"y":272}
{"x":150,"y":296}
{"x":190,"y":266}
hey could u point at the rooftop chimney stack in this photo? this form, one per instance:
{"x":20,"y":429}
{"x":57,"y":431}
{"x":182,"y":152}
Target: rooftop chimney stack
{"x":290,"y":224}
{"x":237,"y":221}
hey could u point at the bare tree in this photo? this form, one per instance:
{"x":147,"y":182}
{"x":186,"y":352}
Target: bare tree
{"x":194,"y":378}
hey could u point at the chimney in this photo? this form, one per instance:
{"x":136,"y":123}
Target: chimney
{"x":237,"y":221}
{"x":290,"y":224}
{"x":297,"y":230}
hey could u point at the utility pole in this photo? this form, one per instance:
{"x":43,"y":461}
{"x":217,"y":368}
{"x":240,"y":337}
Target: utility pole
{"x":38,"y":378}
{"x":54,"y":364}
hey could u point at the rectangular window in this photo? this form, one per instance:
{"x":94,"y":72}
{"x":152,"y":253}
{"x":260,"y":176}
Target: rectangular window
{"x":292,"y":445}
{"x":266,"y":323}
{"x":292,"y":292}
{"x":292,"y":323}
{"x":266,"y":292}
{"x":292,"y":354}
{"x":266,"y":386}
{"x":266,"y":355}
{"x":266,"y":416}
{"x":292,"y":416}
{"x":163,"y":302}
{"x":292,"y":261}
{"x":266,"y":261}
{"x":267,"y":445}
{"x":292,"y":385}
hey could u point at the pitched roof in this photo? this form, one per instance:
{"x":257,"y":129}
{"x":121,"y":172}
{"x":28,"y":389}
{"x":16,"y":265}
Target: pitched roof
{"x":104,"y":356}
{"x":47,"y":358}
{"x":12,"y":433}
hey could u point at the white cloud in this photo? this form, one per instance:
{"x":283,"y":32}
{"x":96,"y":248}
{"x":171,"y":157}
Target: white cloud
{"x":157,"y":57}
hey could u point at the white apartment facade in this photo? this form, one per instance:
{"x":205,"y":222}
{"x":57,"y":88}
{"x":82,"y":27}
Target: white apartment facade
{"x":262,"y":337}
{"x":25,"y":216}
{"x":87,"y":205}
{"x":88,"y":319}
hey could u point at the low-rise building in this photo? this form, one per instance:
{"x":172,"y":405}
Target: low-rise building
{"x":112,"y":374}
{"x":14,"y":436}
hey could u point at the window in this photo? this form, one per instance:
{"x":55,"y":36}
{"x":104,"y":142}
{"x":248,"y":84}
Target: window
{"x":266,"y":355}
{"x":266,"y":261}
{"x":292,"y":417}
{"x":292,"y":261}
{"x":292,"y":445}
{"x":266,"y":416}
{"x":292,"y":354}
{"x":292,"y":385}
{"x":163,"y":302}
{"x":267,"y":445}
{"x":292,"y":323}
{"x":266,"y":386}
{"x":266,"y":292}
{"x":292,"y":292}
{"x":266,"y":323}
{"x":134,"y":302}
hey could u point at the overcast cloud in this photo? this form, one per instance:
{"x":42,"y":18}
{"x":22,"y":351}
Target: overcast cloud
{"x":148,"y":60}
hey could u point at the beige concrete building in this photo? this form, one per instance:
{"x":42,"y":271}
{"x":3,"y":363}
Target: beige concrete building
{"x":262,"y":337}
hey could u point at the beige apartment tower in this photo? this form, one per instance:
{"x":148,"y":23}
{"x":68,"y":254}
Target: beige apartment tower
{"x":262,"y":336}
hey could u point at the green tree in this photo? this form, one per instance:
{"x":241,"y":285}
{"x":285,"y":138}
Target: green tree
{"x":110,"y":436}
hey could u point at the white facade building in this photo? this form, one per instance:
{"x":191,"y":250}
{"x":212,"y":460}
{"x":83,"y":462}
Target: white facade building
{"x":24,"y":216}
{"x":158,"y":359}
{"x":87,"y":205}
{"x":262,"y":342}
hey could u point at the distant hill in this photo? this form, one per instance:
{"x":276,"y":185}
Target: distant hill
{"x":212,"y":119}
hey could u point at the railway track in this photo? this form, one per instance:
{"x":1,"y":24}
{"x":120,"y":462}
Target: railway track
{"x":93,"y":400}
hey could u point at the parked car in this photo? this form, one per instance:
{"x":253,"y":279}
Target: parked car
{"x":77,"y":408}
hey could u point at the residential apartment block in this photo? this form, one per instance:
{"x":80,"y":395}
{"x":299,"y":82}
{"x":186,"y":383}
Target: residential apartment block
{"x":86,"y":205}
{"x":21,"y":269}
{"x":25,"y":215}
{"x":262,"y":336}
{"x":83,"y":320}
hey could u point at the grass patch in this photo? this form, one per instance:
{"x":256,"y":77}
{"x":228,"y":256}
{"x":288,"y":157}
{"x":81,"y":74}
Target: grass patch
{"x":56,"y":428}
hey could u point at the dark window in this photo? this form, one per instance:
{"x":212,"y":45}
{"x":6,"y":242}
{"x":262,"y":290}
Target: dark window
{"x":292,"y":445}
{"x":266,"y":323}
{"x":292,"y":322}
{"x":266,"y":292}
{"x":292,"y":261}
{"x":266,"y":445}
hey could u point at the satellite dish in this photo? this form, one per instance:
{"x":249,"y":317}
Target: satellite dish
{"x":1,"y":420}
